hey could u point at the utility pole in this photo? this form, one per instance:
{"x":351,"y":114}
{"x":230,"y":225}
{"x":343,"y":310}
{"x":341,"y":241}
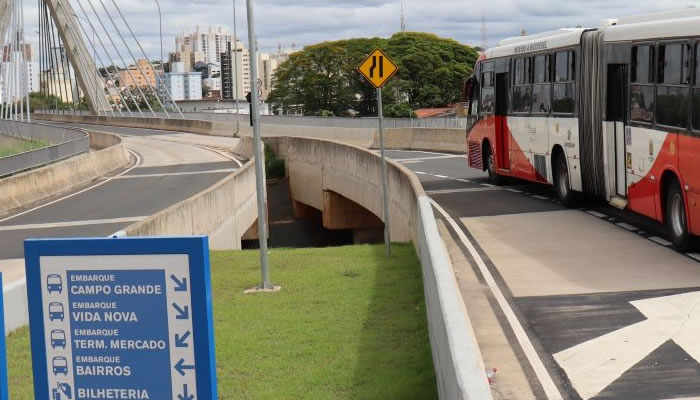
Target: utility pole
{"x":257,"y":141}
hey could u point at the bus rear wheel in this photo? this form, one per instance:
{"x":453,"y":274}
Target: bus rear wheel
{"x":676,"y":218}
{"x":562,"y":183}
{"x":494,"y":178}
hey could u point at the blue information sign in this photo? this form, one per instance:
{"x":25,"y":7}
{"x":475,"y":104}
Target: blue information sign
{"x":4,"y":394}
{"x":123,"y":318}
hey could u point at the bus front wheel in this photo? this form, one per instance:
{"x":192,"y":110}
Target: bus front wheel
{"x":494,"y":178}
{"x":676,"y":219}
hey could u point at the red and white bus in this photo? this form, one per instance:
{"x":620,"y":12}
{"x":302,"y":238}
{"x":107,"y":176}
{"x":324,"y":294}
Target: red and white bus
{"x":613,"y":112}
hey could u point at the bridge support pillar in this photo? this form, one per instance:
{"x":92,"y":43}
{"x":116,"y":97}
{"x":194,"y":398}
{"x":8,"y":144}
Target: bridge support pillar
{"x":342,"y":213}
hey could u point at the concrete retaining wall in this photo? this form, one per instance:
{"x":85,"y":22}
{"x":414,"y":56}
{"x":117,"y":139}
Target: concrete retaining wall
{"x":211,"y":128}
{"x":428,"y":139}
{"x":16,"y":308}
{"x":317,"y":165}
{"x":33,"y":186}
{"x":225,"y":211}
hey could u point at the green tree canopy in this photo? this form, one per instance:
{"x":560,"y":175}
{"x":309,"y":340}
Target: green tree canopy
{"x":324,"y":76}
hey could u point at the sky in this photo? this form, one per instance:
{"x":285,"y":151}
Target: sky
{"x":305,"y":22}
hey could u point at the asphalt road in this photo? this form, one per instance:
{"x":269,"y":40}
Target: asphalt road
{"x":169,"y":167}
{"x":590,"y":303}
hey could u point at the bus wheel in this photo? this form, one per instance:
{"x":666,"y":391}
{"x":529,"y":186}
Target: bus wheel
{"x":562,"y":183}
{"x":676,"y":220}
{"x":494,"y":178}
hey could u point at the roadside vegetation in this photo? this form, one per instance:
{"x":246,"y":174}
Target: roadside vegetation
{"x":349,"y":323}
{"x":10,"y":146}
{"x":324,"y":80}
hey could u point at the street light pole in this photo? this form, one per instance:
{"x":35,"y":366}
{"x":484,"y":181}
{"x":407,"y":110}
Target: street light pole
{"x":160,"y":25}
{"x":235,"y":63}
{"x":259,"y":171}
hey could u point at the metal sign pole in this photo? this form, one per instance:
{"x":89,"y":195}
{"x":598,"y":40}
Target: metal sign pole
{"x":4,"y":393}
{"x":259,"y":171}
{"x":385,"y":192}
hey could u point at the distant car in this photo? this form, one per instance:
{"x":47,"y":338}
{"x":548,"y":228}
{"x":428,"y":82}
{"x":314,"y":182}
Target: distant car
{"x":56,"y":312}
{"x":58,"y":339}
{"x":60,"y":365}
{"x":54,"y":283}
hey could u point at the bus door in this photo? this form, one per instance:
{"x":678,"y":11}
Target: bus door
{"x":501,"y":114}
{"x":617,"y":105}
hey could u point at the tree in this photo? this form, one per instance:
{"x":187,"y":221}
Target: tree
{"x":324,"y":76}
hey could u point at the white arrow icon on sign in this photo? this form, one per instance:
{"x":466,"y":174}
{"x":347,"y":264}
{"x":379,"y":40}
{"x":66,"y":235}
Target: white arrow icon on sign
{"x":594,"y":365}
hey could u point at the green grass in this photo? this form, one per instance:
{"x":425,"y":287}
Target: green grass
{"x":11,"y":146}
{"x":348,"y":324}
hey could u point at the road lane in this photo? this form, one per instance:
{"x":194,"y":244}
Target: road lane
{"x":172,"y":167}
{"x":572,"y":278}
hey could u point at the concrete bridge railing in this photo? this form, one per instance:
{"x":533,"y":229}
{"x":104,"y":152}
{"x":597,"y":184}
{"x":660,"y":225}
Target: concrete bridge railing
{"x":317,"y":167}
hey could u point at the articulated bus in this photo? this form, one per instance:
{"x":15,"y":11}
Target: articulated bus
{"x":613,"y":112}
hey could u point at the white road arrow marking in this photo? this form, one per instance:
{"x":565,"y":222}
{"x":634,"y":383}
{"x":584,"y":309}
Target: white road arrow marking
{"x":594,"y":365}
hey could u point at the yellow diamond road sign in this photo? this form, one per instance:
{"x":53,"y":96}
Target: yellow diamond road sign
{"x":377,"y":68}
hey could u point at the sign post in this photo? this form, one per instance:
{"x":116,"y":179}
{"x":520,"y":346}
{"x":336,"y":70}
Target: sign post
{"x":377,"y":68}
{"x":121,"y":318}
{"x":4,"y":392}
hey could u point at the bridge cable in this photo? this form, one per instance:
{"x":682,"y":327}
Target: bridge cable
{"x":143,"y":96}
{"x":136,"y":63}
{"x":160,"y":79}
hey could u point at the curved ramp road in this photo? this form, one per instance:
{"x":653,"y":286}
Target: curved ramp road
{"x":568,"y":304}
{"x":169,"y":167}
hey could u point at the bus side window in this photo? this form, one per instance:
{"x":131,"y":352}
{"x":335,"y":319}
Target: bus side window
{"x":563,"y":101}
{"x":642,"y":84}
{"x":673,"y":88}
{"x":696,"y":90}
{"x":487,"y":92}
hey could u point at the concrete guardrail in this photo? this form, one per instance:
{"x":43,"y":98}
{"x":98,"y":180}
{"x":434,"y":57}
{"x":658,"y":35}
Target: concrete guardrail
{"x":224,"y":212}
{"x":365,"y":134}
{"x":315,"y":166}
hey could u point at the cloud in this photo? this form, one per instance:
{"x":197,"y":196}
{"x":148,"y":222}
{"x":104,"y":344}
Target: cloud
{"x":306,"y":22}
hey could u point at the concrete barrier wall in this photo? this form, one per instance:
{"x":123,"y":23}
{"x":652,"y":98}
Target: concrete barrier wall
{"x":210,"y":128}
{"x":316,"y":165}
{"x":33,"y":186}
{"x":224,"y":212}
{"x":16,"y":308}
{"x":428,"y":139}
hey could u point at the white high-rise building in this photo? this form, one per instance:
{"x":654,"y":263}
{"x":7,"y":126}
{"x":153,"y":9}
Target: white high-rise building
{"x":11,"y":92}
{"x":183,"y":85}
{"x":210,"y":41}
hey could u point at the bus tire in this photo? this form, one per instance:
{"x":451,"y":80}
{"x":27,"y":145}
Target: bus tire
{"x":562,"y":182}
{"x":490,"y":160}
{"x":676,"y":217}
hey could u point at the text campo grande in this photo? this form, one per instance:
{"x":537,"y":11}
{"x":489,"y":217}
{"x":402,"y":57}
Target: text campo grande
{"x":530,"y":47}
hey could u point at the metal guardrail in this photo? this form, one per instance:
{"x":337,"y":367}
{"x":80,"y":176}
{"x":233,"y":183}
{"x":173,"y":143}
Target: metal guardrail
{"x":66,"y":142}
{"x":329,"y":122}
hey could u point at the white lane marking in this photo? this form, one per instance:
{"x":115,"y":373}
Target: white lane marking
{"x":694,"y":256}
{"x":487,"y":185}
{"x":212,"y":171}
{"x":597,"y":214}
{"x":50,"y":225}
{"x":537,"y":196}
{"x":660,"y":241}
{"x":464,"y":180}
{"x":406,"y":162}
{"x":441,"y":176}
{"x":419,"y":173}
{"x":594,"y":365}
{"x":465,"y":190}
{"x":428,"y":158}
{"x":514,"y":190}
{"x":627,"y":226}
{"x":426,"y":152}
{"x":138,"y":162}
{"x":221,"y":153}
{"x":543,"y":376}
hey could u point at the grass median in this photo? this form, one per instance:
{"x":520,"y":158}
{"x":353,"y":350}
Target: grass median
{"x":349,"y":323}
{"x":11,"y":146}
